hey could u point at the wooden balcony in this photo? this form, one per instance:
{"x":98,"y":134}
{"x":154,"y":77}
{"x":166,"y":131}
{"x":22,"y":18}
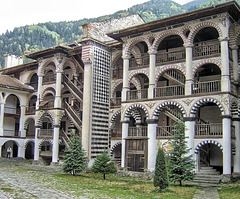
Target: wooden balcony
{"x":49,"y":79}
{"x":165,"y":132}
{"x":175,"y":55}
{"x":45,"y":133}
{"x":115,"y":102}
{"x":116,"y":134}
{"x":206,"y":49}
{"x":137,"y":131}
{"x":139,"y":62}
{"x":30,"y":110}
{"x":137,"y":94}
{"x":213,"y":130}
{"x":206,"y":87}
{"x":169,"y":91}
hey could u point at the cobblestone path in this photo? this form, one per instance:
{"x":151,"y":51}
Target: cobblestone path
{"x":206,"y":193}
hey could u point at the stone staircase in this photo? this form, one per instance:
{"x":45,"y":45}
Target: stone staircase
{"x":207,"y":175}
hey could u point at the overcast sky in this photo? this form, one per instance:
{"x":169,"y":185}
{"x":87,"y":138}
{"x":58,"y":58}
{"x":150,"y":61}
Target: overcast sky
{"x":16,"y":13}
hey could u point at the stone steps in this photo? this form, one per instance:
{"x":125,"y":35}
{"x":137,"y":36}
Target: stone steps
{"x":207,"y":175}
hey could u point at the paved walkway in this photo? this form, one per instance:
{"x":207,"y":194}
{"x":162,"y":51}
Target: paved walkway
{"x":206,"y":192}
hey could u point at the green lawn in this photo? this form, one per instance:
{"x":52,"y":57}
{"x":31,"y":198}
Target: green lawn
{"x":229,"y":191}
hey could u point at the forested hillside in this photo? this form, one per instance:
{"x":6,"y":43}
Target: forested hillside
{"x":44,"y":35}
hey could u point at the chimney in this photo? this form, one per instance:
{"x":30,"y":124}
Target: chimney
{"x":12,"y":60}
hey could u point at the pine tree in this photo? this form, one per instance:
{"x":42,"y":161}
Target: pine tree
{"x":75,"y":160}
{"x":161,"y":176}
{"x":181,"y":164}
{"x":104,"y":165}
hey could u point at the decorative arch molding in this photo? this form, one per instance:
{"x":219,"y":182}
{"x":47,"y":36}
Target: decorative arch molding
{"x":20,"y":98}
{"x":136,"y":106}
{"x":30,"y":97}
{"x":115,"y":57}
{"x":114,"y":146}
{"x":30,"y":75}
{"x":163,"y":35}
{"x":42,"y":115}
{"x":70,"y":63}
{"x":28,"y":141}
{"x":11,"y":140}
{"x":115,"y":115}
{"x":202,"y":101}
{"x":27,"y":120}
{"x":170,"y":67}
{"x":167,"y":103}
{"x":206,"y":61}
{"x":131,"y":75}
{"x":47,"y":90}
{"x":130,"y":44}
{"x":237,"y":37}
{"x":118,"y":83}
{"x":207,"y":142}
{"x":136,"y":82}
{"x":202,"y":25}
{"x":45,"y":140}
{"x":136,"y":114}
{"x":44,"y":64}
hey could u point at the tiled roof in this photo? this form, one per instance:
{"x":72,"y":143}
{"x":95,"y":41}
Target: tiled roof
{"x":13,"y":83}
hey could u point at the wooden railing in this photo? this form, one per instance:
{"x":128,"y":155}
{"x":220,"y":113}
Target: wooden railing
{"x":137,"y":94}
{"x":116,"y":101}
{"x":206,"y":49}
{"x":139,"y":62}
{"x":117,"y":72}
{"x":49,"y":78}
{"x":173,"y":56}
{"x":30,"y":110}
{"x":165,"y":131}
{"x":137,"y":131}
{"x":116,"y":133}
{"x":168,"y":91}
{"x":12,"y":110}
{"x":206,"y":87}
{"x":208,"y":130}
{"x":45,"y":133}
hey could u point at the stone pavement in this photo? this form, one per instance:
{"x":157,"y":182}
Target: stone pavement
{"x":206,"y":192}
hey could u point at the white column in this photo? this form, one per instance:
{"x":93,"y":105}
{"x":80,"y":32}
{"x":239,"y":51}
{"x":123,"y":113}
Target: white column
{"x":21,"y":122}
{"x":39,"y":96}
{"x":227,"y":149}
{"x":236,"y":166}
{"x":152,"y":65}
{"x":225,"y":80}
{"x":87,"y":108}
{"x":36,"y":144}
{"x":21,"y":151}
{"x":152,"y":144}
{"x":235,"y":62}
{"x":189,"y":76}
{"x":190,"y":123}
{"x":1,"y":120}
{"x":55,"y":148}
{"x":125,"y":125}
{"x":125,"y":77}
{"x":0,"y":151}
{"x":58,"y":100}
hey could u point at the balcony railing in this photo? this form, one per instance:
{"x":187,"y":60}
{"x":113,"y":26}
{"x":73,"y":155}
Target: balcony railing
{"x":139,"y":62}
{"x":206,"y":87}
{"x":168,"y":91}
{"x":115,"y":101}
{"x":47,"y":104}
{"x":45,"y":133}
{"x":30,"y":110}
{"x":12,"y":110}
{"x":165,"y":132}
{"x":116,"y":133}
{"x":206,"y":49}
{"x":173,"y":56}
{"x":11,"y":133}
{"x":49,"y":78}
{"x":137,"y":131}
{"x":208,"y":130}
{"x":137,"y":94}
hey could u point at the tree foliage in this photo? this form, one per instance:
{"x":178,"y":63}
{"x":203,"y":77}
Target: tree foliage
{"x":103,"y":164}
{"x":161,"y":176}
{"x":75,"y":160}
{"x":180,"y":163}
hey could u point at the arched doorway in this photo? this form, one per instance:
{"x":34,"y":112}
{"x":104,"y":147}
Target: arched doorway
{"x":29,"y":151}
{"x":14,"y":147}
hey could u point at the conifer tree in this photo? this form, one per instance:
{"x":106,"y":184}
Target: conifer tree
{"x":75,"y":160}
{"x":161,"y":176}
{"x":103,"y":164}
{"x":180,"y":164}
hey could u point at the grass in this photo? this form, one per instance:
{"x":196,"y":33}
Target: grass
{"x":229,"y":190}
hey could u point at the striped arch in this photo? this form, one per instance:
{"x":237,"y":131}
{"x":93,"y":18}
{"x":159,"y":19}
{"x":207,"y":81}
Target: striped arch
{"x":30,"y":97}
{"x":47,"y":90}
{"x":42,"y":115}
{"x":45,"y":140}
{"x":115,"y":57}
{"x":28,"y":141}
{"x":118,"y":83}
{"x":114,"y":146}
{"x":163,"y":35}
{"x":127,"y":113}
{"x":207,"y":142}
{"x":167,"y":103}
{"x":131,"y":75}
{"x":71,"y":64}
{"x":30,"y":76}
{"x":200,"y":26}
{"x":136,"y":114}
{"x":196,"y":106}
{"x":235,"y":107}
{"x":206,"y":61}
{"x":130,"y":44}
{"x":49,"y":63}
{"x":165,"y":68}
{"x":115,"y":115}
{"x":27,"y":120}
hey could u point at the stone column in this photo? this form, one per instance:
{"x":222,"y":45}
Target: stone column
{"x":39,"y":96}
{"x":189,"y":76}
{"x":225,"y":80}
{"x":227,"y":147}
{"x":55,"y":148}
{"x":235,"y":61}
{"x":1,"y":120}
{"x":58,"y":100}
{"x":152,"y":65}
{"x":21,"y":123}
{"x":87,"y":108}
{"x":125,"y":125}
{"x":236,"y":166}
{"x":21,"y":151}
{"x":190,"y":124}
{"x":152,"y":144}
{"x":36,"y":144}
{"x":125,"y":77}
